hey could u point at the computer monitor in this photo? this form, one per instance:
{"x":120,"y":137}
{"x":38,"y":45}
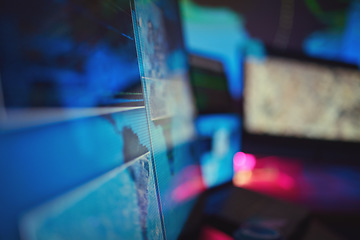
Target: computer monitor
{"x":210,"y":85}
{"x":301,"y":105}
{"x":96,"y":133}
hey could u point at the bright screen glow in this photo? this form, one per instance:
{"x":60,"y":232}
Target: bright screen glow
{"x":288,"y":97}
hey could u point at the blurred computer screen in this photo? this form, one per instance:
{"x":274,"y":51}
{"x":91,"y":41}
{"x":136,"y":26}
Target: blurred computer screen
{"x":210,"y":85}
{"x":97,"y":137}
{"x":304,"y":98}
{"x":304,"y":105}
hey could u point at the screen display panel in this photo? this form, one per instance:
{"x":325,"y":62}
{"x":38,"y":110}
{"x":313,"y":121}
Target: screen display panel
{"x":96,"y":131}
{"x":302,"y":98}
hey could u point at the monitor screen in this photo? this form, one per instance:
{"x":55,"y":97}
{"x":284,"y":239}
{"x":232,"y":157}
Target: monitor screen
{"x":96,"y":132}
{"x":210,"y":86}
{"x":302,"y":98}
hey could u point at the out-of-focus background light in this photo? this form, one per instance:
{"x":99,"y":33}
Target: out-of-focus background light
{"x":322,"y":187}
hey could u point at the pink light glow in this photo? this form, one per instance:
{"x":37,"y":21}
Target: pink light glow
{"x":285,"y":181}
{"x":188,"y":190}
{"x":189,"y":184}
{"x":244,"y":162}
{"x":272,"y":175}
{"x":210,"y":233}
{"x":265,"y":176}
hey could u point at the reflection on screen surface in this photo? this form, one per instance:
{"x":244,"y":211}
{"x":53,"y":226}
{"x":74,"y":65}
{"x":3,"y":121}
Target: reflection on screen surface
{"x":96,"y":130}
{"x":289,"y":97}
